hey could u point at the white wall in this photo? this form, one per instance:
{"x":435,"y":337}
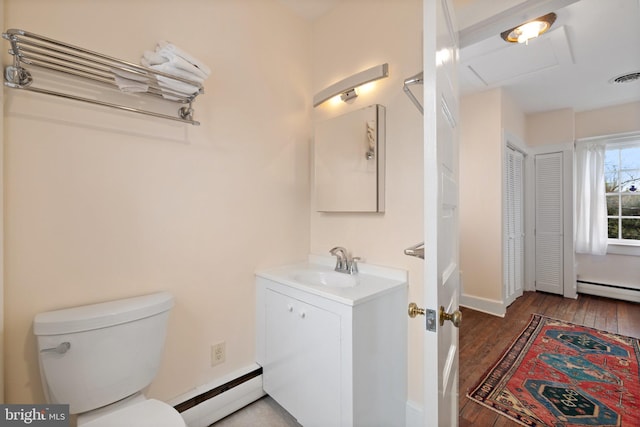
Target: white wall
{"x":479,"y":163}
{"x":563,"y":127}
{"x":613,"y":268}
{"x":481,"y":196}
{"x":486,"y":118}
{"x":550,"y":127}
{"x":546,"y":132}
{"x":349,"y":39}
{"x":102,"y":205}
{"x":513,"y":119}
{"x":608,"y":121}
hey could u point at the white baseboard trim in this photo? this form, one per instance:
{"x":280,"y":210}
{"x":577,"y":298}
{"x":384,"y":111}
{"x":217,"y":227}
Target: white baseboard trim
{"x":485,"y":305}
{"x":208,"y":411}
{"x":414,"y":414}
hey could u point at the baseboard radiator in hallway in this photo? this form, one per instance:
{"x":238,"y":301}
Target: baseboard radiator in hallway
{"x":607,"y":290}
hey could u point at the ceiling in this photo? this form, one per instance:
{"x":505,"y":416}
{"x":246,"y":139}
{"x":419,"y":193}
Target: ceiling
{"x":591,"y":42}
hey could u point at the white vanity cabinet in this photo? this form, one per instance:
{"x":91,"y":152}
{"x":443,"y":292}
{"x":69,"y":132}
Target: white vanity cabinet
{"x":302,"y":354}
{"x":334,"y":357}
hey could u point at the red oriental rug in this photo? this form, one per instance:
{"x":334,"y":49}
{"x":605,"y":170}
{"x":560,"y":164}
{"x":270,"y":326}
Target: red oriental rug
{"x":559,"y":374}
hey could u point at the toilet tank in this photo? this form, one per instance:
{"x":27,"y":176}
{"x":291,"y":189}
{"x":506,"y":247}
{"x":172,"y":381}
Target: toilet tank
{"x":114,"y":350}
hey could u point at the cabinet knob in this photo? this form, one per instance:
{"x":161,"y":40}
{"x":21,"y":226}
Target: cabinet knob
{"x":303,"y":315}
{"x":289,"y":308}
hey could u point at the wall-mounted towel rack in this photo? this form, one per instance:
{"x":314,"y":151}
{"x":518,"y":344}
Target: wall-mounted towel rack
{"x":418,"y":79}
{"x":33,"y":50}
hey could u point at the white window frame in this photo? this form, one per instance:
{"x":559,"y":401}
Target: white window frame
{"x":623,"y":246}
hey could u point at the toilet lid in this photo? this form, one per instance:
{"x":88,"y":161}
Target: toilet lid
{"x":148,"y":413}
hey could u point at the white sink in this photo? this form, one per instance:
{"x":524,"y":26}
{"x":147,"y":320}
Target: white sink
{"x":325,"y":278}
{"x":318,"y":277}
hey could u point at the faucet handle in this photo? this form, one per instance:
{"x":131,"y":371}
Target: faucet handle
{"x":353,"y":265}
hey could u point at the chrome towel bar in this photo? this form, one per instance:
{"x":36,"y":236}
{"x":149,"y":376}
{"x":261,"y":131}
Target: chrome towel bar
{"x":33,"y":50}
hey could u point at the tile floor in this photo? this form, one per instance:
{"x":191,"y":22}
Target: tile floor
{"x":264,"y":412}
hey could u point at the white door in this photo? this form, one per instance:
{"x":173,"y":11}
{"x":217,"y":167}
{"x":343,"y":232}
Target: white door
{"x":441,"y":272}
{"x":513,"y":225}
{"x":549,"y":220}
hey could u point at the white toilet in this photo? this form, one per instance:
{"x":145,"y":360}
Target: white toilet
{"x":99,"y":358}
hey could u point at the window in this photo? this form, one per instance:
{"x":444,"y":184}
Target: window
{"x":622,"y":186}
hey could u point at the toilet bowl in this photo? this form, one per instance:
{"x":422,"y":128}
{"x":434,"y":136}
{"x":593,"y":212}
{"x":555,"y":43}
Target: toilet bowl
{"x":99,"y":358}
{"x":138,"y":411}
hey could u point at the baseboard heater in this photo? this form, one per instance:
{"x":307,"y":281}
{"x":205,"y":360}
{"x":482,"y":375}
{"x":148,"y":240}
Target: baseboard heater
{"x":202,"y":408}
{"x":607,"y":290}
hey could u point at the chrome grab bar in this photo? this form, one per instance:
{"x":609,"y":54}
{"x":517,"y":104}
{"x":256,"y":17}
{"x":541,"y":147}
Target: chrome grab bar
{"x":61,"y":348}
{"x":415,"y":250}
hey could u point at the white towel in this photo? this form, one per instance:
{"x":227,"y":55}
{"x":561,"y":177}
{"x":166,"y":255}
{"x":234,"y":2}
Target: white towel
{"x":129,"y":85}
{"x":166,"y":57}
{"x":169,"y":68}
{"x":131,"y":74}
{"x":184,"y":65}
{"x":153,"y":58}
{"x":169,"y":83}
{"x":169,"y":59}
{"x":177,"y":86}
{"x":129,"y":81}
{"x":166,"y":47}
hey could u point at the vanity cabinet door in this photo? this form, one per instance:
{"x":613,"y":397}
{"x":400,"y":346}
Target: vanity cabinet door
{"x":280,"y":374}
{"x":302,"y":359}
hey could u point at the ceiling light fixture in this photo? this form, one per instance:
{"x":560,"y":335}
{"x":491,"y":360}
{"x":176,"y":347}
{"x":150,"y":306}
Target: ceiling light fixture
{"x":530,"y":29}
{"x":347,"y":88}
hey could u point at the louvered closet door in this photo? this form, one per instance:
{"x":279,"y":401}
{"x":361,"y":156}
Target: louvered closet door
{"x":514,"y":229}
{"x":549,"y":230}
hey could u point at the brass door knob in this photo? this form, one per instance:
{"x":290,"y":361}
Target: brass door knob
{"x":414,"y":310}
{"x":455,"y":317}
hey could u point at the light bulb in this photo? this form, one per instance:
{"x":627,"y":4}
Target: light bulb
{"x":530,"y":30}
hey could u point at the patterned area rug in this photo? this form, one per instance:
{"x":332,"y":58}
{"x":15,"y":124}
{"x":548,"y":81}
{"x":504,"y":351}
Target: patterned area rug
{"x":559,"y":374}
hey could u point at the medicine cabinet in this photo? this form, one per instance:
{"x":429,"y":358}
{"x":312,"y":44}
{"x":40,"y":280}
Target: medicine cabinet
{"x":349,"y":162}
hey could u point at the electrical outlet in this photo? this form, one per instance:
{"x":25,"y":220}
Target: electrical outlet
{"x":218,"y":353}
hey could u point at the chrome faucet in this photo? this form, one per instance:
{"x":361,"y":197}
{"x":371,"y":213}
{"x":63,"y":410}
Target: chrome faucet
{"x":344,"y":263}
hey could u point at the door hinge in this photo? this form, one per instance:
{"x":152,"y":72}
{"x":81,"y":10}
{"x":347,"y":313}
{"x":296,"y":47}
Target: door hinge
{"x":431,"y":320}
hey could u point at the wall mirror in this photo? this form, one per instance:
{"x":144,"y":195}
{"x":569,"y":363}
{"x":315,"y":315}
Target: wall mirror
{"x":349,"y":159}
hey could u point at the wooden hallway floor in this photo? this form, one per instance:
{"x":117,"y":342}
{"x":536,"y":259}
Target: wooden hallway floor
{"x":483,"y":338}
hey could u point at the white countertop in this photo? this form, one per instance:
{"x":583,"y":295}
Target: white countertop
{"x":371,"y":279}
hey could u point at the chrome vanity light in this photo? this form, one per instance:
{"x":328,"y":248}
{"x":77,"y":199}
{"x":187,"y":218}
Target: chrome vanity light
{"x":347,"y":88}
